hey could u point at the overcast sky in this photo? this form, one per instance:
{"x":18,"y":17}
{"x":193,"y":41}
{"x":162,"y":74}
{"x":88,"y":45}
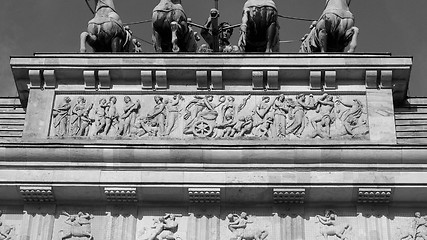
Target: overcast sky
{"x":28,"y":26}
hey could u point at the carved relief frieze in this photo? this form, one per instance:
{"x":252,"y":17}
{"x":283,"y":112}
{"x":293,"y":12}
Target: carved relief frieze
{"x":251,"y":117}
{"x":289,"y":222}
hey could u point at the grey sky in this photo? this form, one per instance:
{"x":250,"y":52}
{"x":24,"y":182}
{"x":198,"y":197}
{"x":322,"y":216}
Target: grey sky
{"x":29,"y":26}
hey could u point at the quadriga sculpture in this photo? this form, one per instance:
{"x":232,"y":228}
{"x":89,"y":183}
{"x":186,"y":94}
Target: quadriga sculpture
{"x":171,"y":32}
{"x":105,"y":32}
{"x":260,"y":28}
{"x":334,"y":31}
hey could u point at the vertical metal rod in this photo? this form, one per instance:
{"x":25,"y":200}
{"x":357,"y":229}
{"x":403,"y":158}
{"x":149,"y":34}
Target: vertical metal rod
{"x":215,"y":30}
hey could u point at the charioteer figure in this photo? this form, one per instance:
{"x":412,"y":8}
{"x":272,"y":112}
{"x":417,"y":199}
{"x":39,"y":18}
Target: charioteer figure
{"x":225,"y":30}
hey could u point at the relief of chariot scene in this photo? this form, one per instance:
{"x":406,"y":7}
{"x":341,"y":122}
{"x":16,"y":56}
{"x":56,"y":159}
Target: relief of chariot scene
{"x":269,"y":117}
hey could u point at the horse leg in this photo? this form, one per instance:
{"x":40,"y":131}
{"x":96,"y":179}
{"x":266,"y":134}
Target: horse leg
{"x":157,"y":40}
{"x":354,"y":32}
{"x":175,"y":27}
{"x":323,"y":33}
{"x":86,"y":37}
{"x":271,"y":38}
{"x":116,"y":44}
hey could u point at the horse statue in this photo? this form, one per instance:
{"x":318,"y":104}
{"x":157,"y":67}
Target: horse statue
{"x":259,"y":28}
{"x":171,"y":32}
{"x":105,"y":32}
{"x":334,"y":30}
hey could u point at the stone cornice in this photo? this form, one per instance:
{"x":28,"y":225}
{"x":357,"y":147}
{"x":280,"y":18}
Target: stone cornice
{"x":219,"y":69}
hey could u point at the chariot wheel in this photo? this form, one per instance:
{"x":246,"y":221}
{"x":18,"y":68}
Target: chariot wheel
{"x":202,"y":129}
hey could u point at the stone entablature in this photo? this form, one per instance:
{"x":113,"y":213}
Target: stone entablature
{"x":172,"y":95}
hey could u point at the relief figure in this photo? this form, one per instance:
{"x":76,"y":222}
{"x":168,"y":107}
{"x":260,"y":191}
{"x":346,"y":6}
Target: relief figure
{"x":324,"y":117}
{"x":280,"y":109}
{"x":417,"y":229}
{"x":351,"y":118}
{"x":111,"y":115}
{"x":100,"y":116}
{"x":329,"y":226}
{"x":237,"y":225}
{"x":80,"y":120}
{"x":80,"y":226}
{"x":172,"y":109}
{"x":201,"y":115}
{"x":127,"y":119}
{"x":297,"y":117}
{"x":6,"y":232}
{"x":61,"y":115}
{"x":164,"y":228}
{"x":158,"y":116}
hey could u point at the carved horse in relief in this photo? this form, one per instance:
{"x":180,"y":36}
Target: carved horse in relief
{"x":80,"y":226}
{"x":334,"y":30}
{"x":260,"y":28}
{"x":105,"y":32}
{"x":171,"y":32}
{"x":332,"y":229}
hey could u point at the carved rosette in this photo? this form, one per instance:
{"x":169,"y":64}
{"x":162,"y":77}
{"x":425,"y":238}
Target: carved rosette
{"x":37,"y":194}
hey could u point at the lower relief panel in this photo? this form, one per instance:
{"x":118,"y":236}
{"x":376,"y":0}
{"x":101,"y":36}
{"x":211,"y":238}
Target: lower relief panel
{"x":211,"y":222}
